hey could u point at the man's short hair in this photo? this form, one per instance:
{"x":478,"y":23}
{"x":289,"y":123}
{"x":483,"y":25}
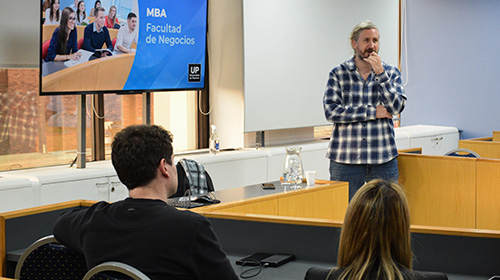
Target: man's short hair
{"x":136,"y":152}
{"x":366,"y":24}
{"x":131,"y":15}
{"x":98,"y":9}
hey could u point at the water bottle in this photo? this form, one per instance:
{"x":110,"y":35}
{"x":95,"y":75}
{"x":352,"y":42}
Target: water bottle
{"x":213,"y":147}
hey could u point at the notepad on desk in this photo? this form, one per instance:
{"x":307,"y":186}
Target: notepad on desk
{"x":84,"y":58}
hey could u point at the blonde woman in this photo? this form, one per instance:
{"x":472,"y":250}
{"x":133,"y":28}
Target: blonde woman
{"x":111,"y":20}
{"x":375,"y":238}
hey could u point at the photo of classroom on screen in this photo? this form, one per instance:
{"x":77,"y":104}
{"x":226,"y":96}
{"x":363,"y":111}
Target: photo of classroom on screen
{"x":139,"y":45}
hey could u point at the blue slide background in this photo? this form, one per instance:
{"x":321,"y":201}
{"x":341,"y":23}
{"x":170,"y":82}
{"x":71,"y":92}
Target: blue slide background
{"x":161,"y":66}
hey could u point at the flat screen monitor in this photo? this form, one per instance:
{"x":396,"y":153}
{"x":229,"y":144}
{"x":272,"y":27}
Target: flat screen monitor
{"x":154,"y":45}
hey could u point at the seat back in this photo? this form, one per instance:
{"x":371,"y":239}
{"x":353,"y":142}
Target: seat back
{"x":191,"y":175}
{"x":45,"y":49}
{"x":47,"y":259}
{"x":80,"y":43}
{"x":462,"y":153}
{"x":114,"y":271}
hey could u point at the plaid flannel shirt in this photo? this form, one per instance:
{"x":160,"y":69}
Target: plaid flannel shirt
{"x":195,"y":174}
{"x":358,"y":137}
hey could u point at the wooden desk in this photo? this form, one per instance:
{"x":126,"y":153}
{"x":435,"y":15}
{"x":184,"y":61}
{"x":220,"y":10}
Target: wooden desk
{"x":496,"y":136}
{"x":488,"y":194}
{"x":318,"y":243}
{"x":327,"y":200}
{"x":484,"y":148}
{"x":107,"y":73}
{"x":452,"y":191}
{"x":48,"y":31}
{"x":19,"y":229}
{"x":313,"y":240}
{"x":440,"y":190}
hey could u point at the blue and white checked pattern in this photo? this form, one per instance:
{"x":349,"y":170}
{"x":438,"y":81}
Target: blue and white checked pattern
{"x":349,"y":102}
{"x":195,"y":174}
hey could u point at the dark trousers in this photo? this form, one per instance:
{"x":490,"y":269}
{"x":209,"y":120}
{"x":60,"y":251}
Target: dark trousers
{"x":358,"y":174}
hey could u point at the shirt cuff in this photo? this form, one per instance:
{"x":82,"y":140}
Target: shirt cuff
{"x":382,"y":77}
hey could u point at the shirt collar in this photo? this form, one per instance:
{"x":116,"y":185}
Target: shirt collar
{"x":127,"y":29}
{"x":350,"y":64}
{"x":95,"y":29}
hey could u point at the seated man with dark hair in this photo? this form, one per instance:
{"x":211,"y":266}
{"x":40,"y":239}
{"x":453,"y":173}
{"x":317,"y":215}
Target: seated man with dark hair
{"x":127,"y":35}
{"x":96,"y":34}
{"x":142,"y":230}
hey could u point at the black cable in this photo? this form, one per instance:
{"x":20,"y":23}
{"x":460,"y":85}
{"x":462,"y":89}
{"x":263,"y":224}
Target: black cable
{"x":73,"y":162}
{"x":253,"y":262}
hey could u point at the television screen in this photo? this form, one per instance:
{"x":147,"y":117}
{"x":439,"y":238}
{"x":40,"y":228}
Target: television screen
{"x":137,"y":46}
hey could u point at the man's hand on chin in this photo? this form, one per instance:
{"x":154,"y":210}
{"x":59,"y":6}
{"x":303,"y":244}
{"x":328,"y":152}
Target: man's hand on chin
{"x":376,"y":62}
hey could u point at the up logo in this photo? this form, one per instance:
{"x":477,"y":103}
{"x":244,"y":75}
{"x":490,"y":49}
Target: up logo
{"x":194,"y":73}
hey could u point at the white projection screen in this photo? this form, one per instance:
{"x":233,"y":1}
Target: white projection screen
{"x":290,"y":46}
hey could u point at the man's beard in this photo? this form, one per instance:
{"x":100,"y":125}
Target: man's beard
{"x":367,"y":53}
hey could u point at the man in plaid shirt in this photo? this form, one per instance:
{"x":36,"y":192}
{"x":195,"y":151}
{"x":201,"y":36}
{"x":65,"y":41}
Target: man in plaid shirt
{"x":361,"y":96}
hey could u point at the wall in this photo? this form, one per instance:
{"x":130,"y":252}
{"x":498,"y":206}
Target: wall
{"x":19,"y":48}
{"x":229,"y":44}
{"x":19,"y":33}
{"x":290,"y":46}
{"x":453,"y":55}
{"x":225,"y":48}
{"x":450,"y":43}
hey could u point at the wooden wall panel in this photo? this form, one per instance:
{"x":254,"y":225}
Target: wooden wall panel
{"x":496,"y":135}
{"x":440,"y":190}
{"x":488,"y":194}
{"x":322,"y":204}
{"x":263,"y":207}
{"x":485,"y":149}
{"x":328,"y":202}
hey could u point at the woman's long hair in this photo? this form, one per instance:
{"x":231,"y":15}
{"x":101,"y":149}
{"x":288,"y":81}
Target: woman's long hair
{"x":63,"y":31}
{"x":113,"y":19}
{"x":52,"y":2}
{"x":78,"y":12}
{"x":375,"y":237}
